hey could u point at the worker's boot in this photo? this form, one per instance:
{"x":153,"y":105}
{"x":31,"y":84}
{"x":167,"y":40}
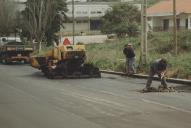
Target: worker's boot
{"x":148,"y":89}
{"x":165,"y":89}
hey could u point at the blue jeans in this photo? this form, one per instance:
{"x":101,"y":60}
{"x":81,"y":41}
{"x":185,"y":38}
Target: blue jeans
{"x":131,"y":65}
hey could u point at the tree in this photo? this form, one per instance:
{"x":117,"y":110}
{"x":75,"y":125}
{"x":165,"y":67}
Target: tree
{"x":57,"y":22}
{"x":40,"y":16}
{"x":123,"y":19}
{"x":7,"y":17}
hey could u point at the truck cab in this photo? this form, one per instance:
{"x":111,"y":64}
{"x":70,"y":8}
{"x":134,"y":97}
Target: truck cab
{"x":5,"y":40}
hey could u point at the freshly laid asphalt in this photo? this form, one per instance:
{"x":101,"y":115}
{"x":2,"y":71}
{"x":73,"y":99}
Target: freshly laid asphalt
{"x":29,"y":100}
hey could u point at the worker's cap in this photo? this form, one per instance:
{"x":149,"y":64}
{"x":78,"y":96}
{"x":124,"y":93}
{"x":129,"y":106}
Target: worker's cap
{"x":130,"y":44}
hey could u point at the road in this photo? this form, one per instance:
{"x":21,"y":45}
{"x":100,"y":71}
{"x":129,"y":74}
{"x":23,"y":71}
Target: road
{"x":28,"y":100}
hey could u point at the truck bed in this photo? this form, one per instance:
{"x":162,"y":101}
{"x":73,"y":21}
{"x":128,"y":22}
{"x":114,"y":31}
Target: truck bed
{"x":13,"y":53}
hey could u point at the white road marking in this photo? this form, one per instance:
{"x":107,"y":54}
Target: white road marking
{"x":89,"y":99}
{"x":110,"y":93}
{"x":92,"y":99}
{"x":167,"y":106}
{"x":97,"y":100}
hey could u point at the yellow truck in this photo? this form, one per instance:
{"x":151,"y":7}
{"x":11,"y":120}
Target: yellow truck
{"x":15,"y":52}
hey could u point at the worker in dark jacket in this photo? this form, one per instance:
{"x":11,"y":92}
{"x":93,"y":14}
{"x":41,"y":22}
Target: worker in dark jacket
{"x":157,"y":67}
{"x":128,"y":51}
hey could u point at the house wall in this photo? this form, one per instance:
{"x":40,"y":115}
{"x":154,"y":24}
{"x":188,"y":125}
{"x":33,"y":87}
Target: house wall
{"x":156,"y":23}
{"x":91,"y":26}
{"x":86,"y":11}
{"x":79,"y":27}
{"x":189,"y":22}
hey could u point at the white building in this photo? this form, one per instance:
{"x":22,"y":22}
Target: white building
{"x":161,"y":15}
{"x":20,"y":0}
{"x":76,"y":0}
{"x":87,"y":16}
{"x":127,"y":0}
{"x":91,"y":10}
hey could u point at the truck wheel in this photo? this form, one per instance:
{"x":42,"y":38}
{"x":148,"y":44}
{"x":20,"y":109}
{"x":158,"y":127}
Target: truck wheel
{"x":4,"y":61}
{"x":22,"y":61}
{"x":50,"y":76}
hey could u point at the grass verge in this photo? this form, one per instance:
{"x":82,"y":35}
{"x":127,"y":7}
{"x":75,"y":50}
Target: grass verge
{"x":109,"y":55}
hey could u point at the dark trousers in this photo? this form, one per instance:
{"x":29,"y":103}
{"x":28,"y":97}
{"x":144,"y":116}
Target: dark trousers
{"x":130,"y":62}
{"x":151,"y":75}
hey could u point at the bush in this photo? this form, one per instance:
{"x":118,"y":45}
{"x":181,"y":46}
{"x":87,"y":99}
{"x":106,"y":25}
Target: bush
{"x":162,"y":42}
{"x":123,"y":19}
{"x":184,"y":41}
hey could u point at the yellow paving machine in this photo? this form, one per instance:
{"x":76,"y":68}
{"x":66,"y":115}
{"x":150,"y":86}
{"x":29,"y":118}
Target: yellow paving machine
{"x":65,"y":61}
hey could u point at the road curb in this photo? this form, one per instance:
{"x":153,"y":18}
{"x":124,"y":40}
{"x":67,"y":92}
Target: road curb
{"x":140,"y":76}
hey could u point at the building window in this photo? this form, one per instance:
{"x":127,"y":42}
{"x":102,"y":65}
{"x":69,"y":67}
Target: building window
{"x":149,"y":18}
{"x":166,"y":24}
{"x":178,"y":23}
{"x":85,"y":12}
{"x":95,"y":24}
{"x":81,"y":21}
{"x":93,"y":12}
{"x":99,"y":12}
{"x":78,"y":21}
{"x":78,"y":12}
{"x":186,"y":23}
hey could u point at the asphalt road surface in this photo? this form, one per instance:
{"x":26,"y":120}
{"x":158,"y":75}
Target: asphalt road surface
{"x":28,"y":100}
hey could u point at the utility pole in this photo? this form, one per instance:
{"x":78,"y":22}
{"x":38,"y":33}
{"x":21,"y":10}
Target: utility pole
{"x":73,"y":19}
{"x":175,"y":28}
{"x":89,"y":28}
{"x":60,"y":22}
{"x":144,"y":32}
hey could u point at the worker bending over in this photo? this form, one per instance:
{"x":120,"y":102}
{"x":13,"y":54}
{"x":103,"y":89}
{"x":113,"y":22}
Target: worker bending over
{"x":157,"y":67}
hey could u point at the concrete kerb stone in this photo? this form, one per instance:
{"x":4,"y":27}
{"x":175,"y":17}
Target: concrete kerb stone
{"x":141,"y":76}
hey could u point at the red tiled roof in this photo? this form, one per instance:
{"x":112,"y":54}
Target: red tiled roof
{"x":166,"y":6}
